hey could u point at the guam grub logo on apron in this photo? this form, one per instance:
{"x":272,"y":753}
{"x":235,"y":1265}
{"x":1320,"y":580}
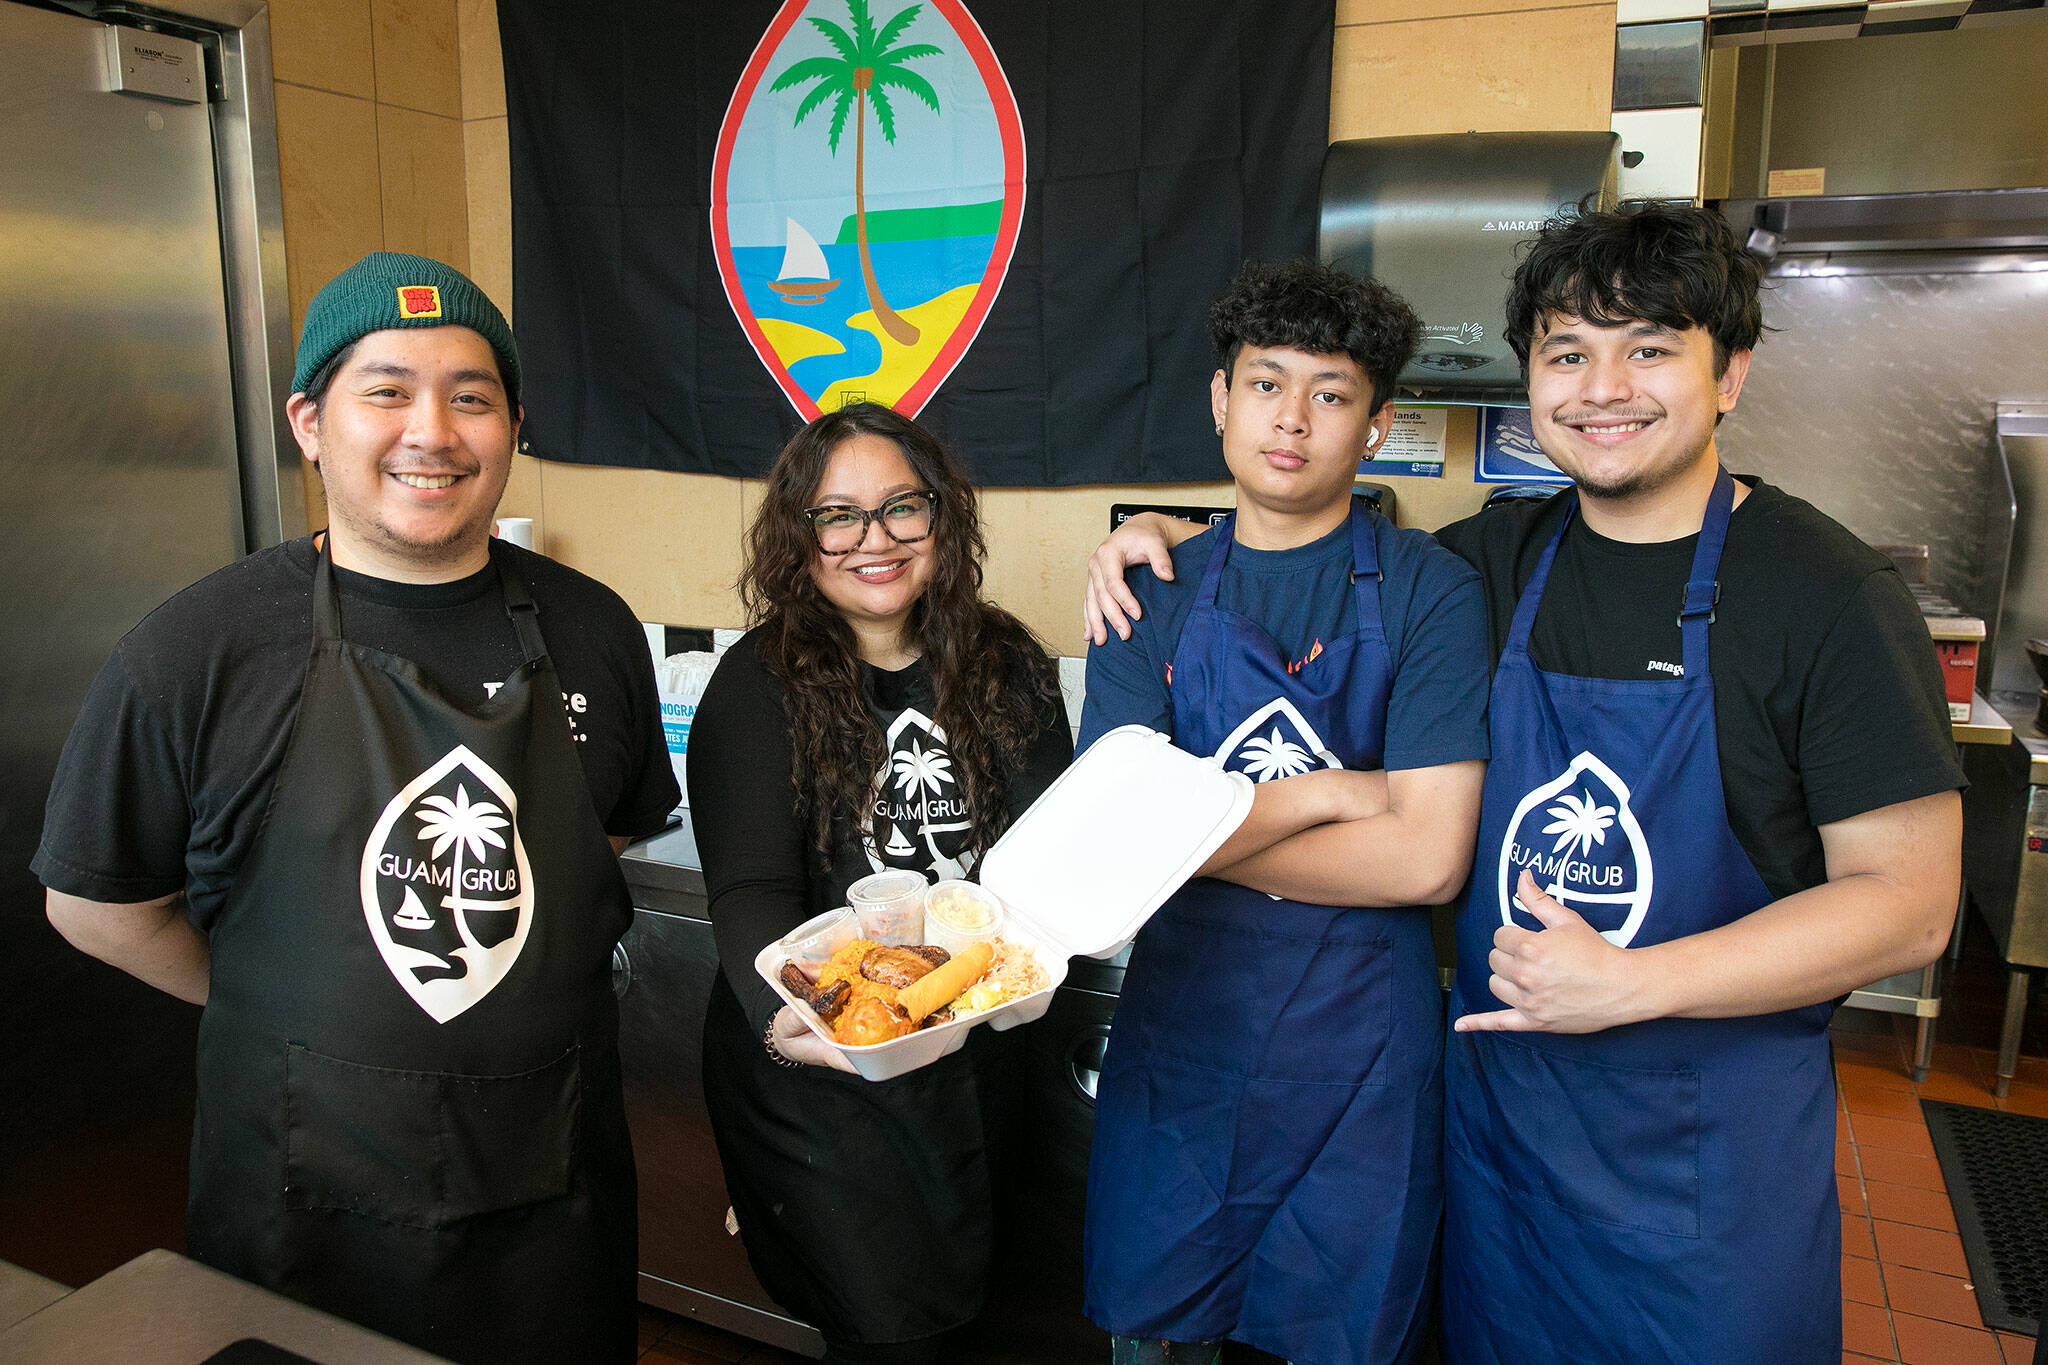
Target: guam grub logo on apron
{"x":920,"y":814}
{"x":445,"y":883}
{"x":1578,"y":836}
{"x":1273,"y":742}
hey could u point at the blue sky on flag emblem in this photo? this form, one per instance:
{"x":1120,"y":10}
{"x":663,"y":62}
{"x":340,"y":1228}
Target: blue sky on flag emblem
{"x":866,"y":195}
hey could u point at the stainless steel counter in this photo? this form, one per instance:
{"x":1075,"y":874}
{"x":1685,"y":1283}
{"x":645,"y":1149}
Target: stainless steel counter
{"x":665,"y":866}
{"x":1919,"y":993}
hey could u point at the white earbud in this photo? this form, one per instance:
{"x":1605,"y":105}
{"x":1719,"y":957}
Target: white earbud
{"x":1372,"y":438}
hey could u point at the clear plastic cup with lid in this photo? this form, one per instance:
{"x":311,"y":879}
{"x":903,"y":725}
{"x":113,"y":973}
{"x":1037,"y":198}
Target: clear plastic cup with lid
{"x":958,"y":913}
{"x":890,"y":906}
{"x":811,"y":944}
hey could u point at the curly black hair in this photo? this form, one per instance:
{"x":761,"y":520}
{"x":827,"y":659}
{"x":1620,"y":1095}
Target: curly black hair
{"x":1307,"y":306}
{"x":1648,"y":260}
{"x":996,"y":688}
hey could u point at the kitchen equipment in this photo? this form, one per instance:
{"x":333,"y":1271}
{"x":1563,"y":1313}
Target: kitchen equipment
{"x":1437,"y":219}
{"x":2037,"y":655}
{"x":142,"y":375}
{"x":2005,"y":807}
{"x":1070,"y":891}
{"x":890,"y":906}
{"x":1957,"y":642}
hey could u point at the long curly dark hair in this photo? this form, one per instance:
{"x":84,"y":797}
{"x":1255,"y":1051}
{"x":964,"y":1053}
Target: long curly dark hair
{"x":994,"y":686}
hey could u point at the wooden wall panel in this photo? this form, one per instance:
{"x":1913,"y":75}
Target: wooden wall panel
{"x":371,"y":152}
{"x":1522,"y":72}
{"x":668,"y":543}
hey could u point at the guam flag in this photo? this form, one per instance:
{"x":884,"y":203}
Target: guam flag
{"x":1005,"y":217}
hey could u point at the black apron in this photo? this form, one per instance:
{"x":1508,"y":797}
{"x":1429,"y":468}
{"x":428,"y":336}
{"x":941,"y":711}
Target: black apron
{"x":409,"y":1103}
{"x":866,"y":1207}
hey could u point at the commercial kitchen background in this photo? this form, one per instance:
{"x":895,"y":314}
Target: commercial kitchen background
{"x":392,"y":134}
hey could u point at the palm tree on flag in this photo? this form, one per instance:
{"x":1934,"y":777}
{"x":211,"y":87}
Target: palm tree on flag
{"x":461,"y":823}
{"x":859,"y":76}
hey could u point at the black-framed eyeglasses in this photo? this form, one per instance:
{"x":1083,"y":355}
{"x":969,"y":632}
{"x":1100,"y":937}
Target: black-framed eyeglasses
{"x":906,"y":519}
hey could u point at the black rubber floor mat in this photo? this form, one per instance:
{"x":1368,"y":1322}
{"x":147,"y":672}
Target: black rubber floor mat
{"x":1995,"y":1165}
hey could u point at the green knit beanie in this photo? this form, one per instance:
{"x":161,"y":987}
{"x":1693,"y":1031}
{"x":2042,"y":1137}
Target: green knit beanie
{"x":388,"y":289}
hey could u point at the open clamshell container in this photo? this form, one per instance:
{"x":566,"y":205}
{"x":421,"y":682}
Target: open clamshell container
{"x":1079,"y":873}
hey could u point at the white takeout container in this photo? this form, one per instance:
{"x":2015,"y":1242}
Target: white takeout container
{"x":1079,"y":874}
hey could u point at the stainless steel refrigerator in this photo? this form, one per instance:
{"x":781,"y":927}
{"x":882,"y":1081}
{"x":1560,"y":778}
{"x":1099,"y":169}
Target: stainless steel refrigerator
{"x":143,"y":332}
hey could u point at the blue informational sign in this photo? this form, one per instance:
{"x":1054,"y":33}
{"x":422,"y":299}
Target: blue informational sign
{"x":1508,"y":452}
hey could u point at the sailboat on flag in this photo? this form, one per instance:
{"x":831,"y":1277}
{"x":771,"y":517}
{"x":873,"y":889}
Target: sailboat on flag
{"x":803,"y":277}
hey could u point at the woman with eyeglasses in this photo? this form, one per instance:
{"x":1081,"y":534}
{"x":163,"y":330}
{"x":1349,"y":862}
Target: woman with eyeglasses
{"x":880,"y":714}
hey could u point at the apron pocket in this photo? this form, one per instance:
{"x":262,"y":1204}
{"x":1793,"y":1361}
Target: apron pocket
{"x":1306,"y":996}
{"x":425,"y":1149}
{"x":1615,"y":1144}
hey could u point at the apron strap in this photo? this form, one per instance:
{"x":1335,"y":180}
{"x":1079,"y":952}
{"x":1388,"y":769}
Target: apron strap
{"x":1525,"y":607}
{"x":1702,"y":587}
{"x":519,"y":606}
{"x":1212,"y":572}
{"x":1702,"y":590}
{"x":1365,"y":569}
{"x":519,"y":603}
{"x":326,"y":600}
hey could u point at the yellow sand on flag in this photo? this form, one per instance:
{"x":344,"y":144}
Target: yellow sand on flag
{"x":902,"y":365}
{"x":792,"y":341}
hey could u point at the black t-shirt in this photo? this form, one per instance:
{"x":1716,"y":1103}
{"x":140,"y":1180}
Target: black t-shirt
{"x":756,"y":852}
{"x":1828,"y":698}
{"x":167,"y":774}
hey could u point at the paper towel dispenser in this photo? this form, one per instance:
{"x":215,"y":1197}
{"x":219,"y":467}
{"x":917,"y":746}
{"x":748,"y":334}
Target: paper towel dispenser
{"x":1438,"y":219}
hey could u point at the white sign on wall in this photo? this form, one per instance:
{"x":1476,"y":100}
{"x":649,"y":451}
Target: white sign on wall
{"x":1414,"y":446}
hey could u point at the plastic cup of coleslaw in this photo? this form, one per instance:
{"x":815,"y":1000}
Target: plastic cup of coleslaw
{"x":958,"y":913}
{"x":890,"y":906}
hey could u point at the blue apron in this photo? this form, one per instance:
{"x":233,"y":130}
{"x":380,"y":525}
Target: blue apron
{"x":1268,"y":1124}
{"x":1663,"y":1190}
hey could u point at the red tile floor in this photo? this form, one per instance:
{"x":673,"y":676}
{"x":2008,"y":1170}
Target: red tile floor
{"x":1906,"y":1294}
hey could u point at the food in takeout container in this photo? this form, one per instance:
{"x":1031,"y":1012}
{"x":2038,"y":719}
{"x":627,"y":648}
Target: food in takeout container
{"x":812,"y":943}
{"x":1078,"y":874}
{"x":958,"y":913}
{"x":890,"y":906}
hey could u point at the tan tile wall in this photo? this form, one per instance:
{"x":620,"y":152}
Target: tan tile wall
{"x":392,"y":132}
{"x":371,"y":143}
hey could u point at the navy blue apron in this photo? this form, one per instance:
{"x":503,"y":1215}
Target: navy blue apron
{"x":1267,"y":1127}
{"x":1663,"y":1190}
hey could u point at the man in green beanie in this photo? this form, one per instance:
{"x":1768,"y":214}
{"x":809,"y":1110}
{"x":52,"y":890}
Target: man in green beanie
{"x":361,"y":795}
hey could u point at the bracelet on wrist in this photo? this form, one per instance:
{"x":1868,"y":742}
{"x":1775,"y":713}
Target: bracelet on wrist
{"x":775,"y":1053}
